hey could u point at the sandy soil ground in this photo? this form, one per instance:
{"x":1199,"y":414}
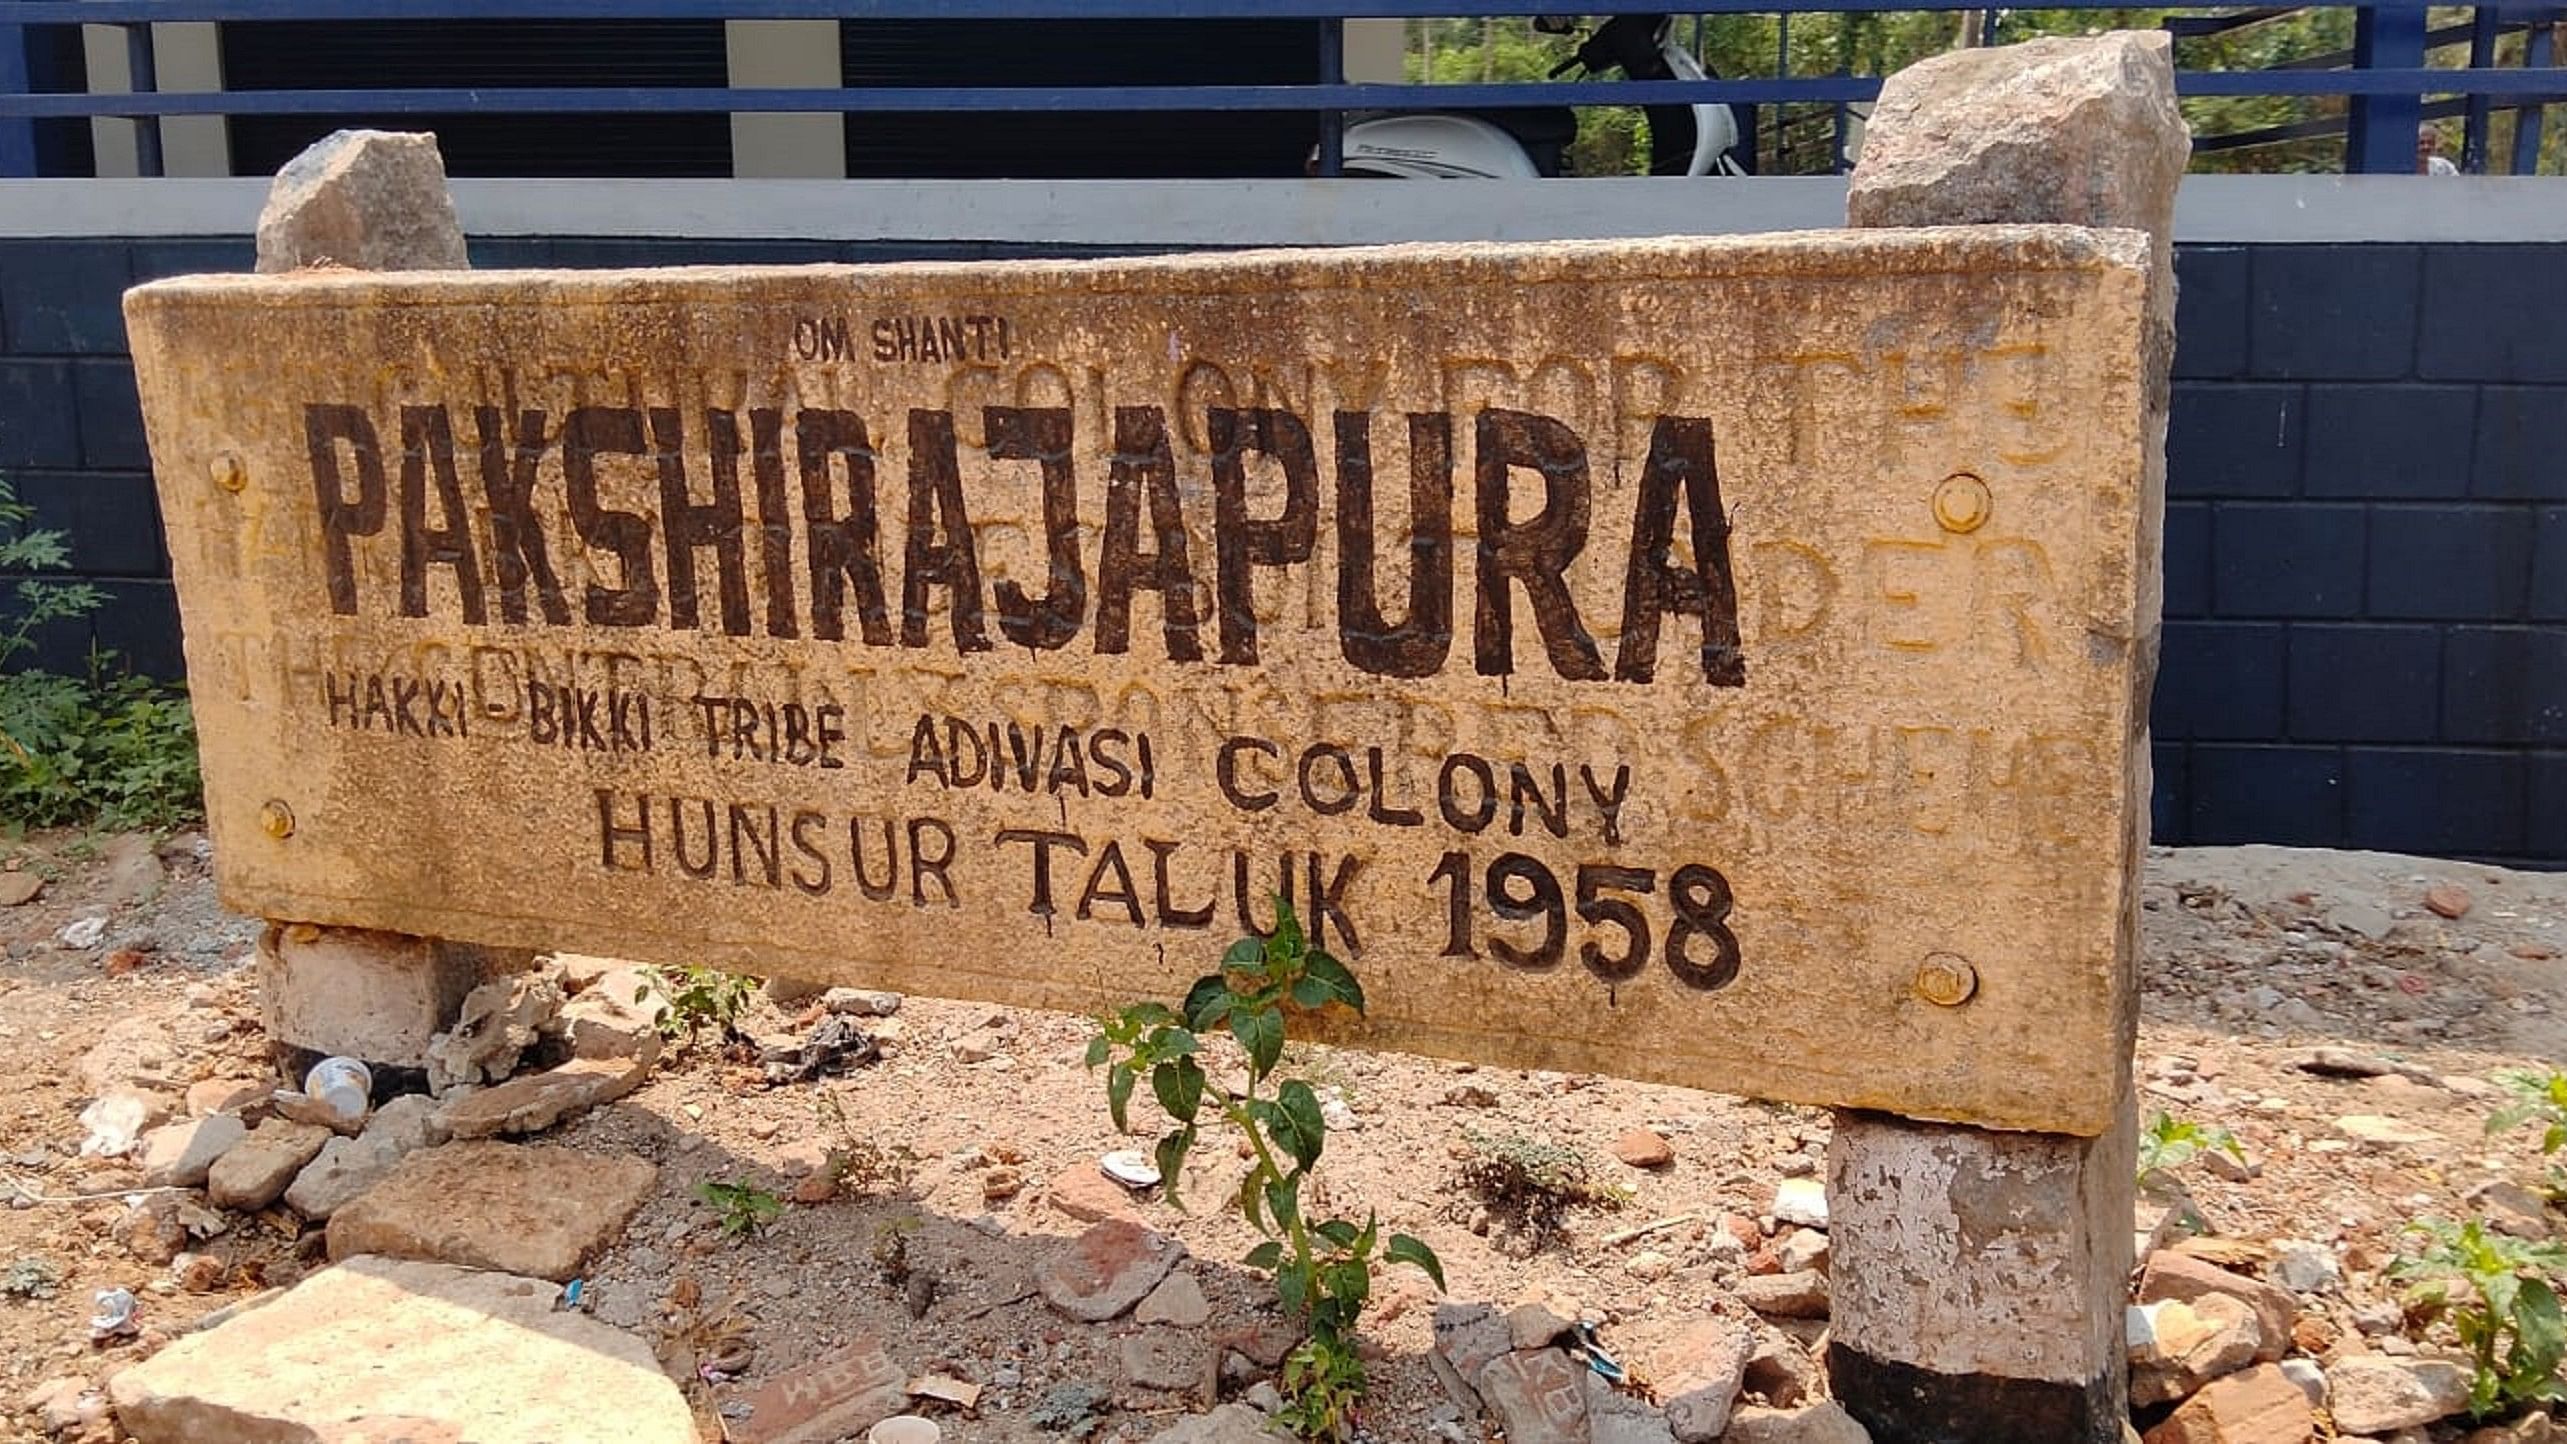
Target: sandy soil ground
{"x":2253,"y":958}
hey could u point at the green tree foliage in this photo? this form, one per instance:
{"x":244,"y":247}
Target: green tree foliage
{"x":1800,"y":139}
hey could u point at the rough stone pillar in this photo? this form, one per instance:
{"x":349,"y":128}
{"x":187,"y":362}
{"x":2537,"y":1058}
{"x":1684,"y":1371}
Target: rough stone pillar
{"x":1979,"y":1277}
{"x":368,"y":200}
{"x":370,"y":995}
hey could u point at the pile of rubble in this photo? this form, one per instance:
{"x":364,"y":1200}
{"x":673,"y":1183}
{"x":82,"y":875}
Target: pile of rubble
{"x":446,"y":1233}
{"x":527,"y":1052}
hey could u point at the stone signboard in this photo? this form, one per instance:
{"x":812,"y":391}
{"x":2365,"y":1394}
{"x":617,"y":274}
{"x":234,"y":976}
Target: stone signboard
{"x":1708,"y":661}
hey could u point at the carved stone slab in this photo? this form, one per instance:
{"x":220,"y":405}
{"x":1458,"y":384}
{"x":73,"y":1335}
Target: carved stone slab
{"x":1718,"y":662}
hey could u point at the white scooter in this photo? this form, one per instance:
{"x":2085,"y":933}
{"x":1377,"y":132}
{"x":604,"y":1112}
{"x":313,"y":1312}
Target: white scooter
{"x":1529,"y":142}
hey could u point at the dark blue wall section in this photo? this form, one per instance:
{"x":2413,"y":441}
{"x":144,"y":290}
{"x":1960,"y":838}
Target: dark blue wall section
{"x":2366,"y":523}
{"x":2366,"y":551}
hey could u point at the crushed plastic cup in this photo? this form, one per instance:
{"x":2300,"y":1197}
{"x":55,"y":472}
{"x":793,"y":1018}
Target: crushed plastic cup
{"x":1130,"y":1167}
{"x":115,"y":1124}
{"x":115,"y":1314}
{"x":343,"y":1087}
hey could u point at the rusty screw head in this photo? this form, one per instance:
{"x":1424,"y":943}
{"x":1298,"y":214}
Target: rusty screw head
{"x":227,"y":471}
{"x":276,"y":819}
{"x":1962,"y":503}
{"x":1946,"y":980}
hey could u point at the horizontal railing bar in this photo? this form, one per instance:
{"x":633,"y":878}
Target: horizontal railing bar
{"x":566,"y":100}
{"x":2509,"y":81}
{"x":2433,"y":40}
{"x":68,"y":12}
{"x":2329,"y":127}
{"x":2189,"y":27}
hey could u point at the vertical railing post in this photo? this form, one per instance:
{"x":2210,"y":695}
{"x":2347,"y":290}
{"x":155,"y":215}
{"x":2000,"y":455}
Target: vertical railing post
{"x":2485,"y":24}
{"x":1332,"y":71}
{"x":2539,"y":40}
{"x":2381,"y":138}
{"x":17,"y":135}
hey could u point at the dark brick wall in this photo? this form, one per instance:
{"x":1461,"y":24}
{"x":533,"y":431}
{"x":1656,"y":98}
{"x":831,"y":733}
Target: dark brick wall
{"x":2366,"y":530}
{"x":2366,"y":551}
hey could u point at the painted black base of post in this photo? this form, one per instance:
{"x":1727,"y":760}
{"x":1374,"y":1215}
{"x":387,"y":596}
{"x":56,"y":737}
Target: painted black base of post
{"x":1903,"y":1404}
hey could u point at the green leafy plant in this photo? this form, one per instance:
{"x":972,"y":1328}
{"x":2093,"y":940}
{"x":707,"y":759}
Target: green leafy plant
{"x":1322,"y":1268}
{"x":35,"y":604}
{"x":698,"y":998}
{"x":2538,"y":1098}
{"x":2168,"y":1143}
{"x":743,"y":1208}
{"x":2498,"y":1295}
{"x":109,"y":749}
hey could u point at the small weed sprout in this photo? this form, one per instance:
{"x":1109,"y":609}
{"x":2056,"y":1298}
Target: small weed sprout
{"x":2541,"y":1099}
{"x":698,"y":999}
{"x":1322,"y":1268}
{"x":2168,"y":1143}
{"x":862,"y":1165}
{"x":744,"y":1209}
{"x":1531,"y":1185}
{"x":2498,"y":1295}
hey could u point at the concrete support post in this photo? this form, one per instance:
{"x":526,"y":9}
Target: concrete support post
{"x":1979,"y":1278}
{"x":370,"y":995}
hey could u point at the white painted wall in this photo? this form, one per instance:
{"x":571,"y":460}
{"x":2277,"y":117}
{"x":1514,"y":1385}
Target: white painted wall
{"x":2211,"y":208}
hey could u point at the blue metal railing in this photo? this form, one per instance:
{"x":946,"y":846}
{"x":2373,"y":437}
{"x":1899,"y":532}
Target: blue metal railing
{"x":2388,"y":87}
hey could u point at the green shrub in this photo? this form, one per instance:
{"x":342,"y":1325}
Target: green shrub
{"x":109,"y":749}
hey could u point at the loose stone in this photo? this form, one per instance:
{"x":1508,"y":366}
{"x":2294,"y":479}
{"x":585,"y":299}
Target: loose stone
{"x":515,"y":1208}
{"x":2306,"y":1268}
{"x":1106,"y":1270}
{"x":1535,"y":1396}
{"x":450,"y":1353}
{"x":1177,"y":1300}
{"x":181,"y":1154}
{"x":1169,"y":1359}
{"x":255,"y":1172}
{"x":1643,"y":1148}
{"x":537,"y":1101}
{"x":837,"y":1397}
{"x":1800,"y":1295}
{"x":2370,"y":1394}
{"x":1699,"y":1373}
{"x":1802,"y":1201}
{"x":2259,"y":1406}
{"x":1825,"y":1422}
{"x":2179,"y":1276}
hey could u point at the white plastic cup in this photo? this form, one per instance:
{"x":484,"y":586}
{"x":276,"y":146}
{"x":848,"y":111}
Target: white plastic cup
{"x":342,"y":1085}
